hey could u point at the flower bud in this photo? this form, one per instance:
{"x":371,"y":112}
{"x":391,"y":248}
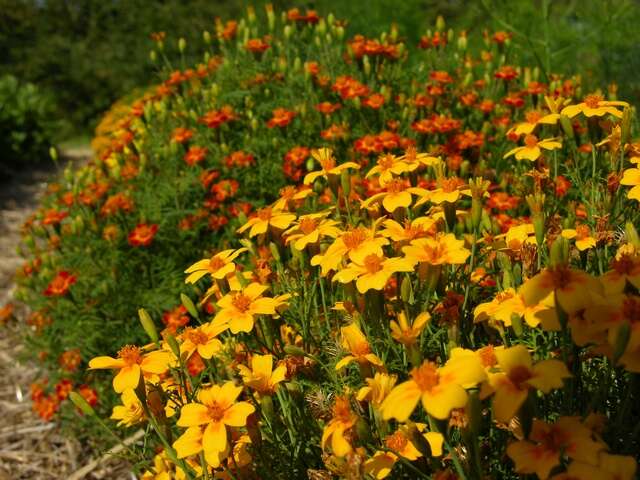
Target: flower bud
{"x":206,"y":36}
{"x":148,"y":325}
{"x":626,"y":126}
{"x":189,"y":305}
{"x":632,"y":235}
{"x":182,"y":45}
{"x":80,"y":402}
{"x":567,"y":128}
{"x":440,"y":23}
{"x":559,"y":251}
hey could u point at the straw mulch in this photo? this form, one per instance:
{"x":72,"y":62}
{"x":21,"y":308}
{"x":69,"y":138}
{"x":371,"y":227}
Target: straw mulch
{"x":31,"y":448}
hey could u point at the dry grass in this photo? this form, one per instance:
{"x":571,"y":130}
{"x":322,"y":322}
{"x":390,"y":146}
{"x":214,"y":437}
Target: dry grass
{"x":31,"y":448}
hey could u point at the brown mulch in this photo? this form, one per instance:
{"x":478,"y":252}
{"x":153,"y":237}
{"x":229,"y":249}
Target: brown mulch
{"x":31,"y":448}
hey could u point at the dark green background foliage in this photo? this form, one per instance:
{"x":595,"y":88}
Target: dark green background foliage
{"x":27,"y":124}
{"x":88,"y":53}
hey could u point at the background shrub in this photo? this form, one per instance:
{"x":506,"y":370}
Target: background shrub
{"x":27,"y":124}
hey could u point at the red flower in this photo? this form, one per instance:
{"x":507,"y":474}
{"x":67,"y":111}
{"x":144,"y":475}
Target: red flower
{"x":256,"y":45}
{"x":60,"y":284}
{"x":375,"y":101}
{"x":239,"y":159}
{"x":89,"y":394}
{"x":63,"y":388}
{"x":195,"y":155}
{"x":281,"y":118}
{"x":142,"y":235}
{"x":181,"y":135}
{"x":328,"y":108}
{"x":53,"y":217}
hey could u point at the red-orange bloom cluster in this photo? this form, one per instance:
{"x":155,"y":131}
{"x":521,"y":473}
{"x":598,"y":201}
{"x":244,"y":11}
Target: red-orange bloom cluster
{"x":281,"y":118}
{"x":311,"y":16}
{"x":60,"y":284}
{"x":142,"y":235}
{"x":348,"y":87}
{"x":436,"y":124}
{"x":195,"y":155}
{"x":361,"y":46}
{"x":256,"y":45}
{"x":239,"y":159}
{"x":115,"y":203}
{"x":181,"y":135}
{"x":215,"y":118}
{"x":53,"y":217}
{"x":436,"y":40}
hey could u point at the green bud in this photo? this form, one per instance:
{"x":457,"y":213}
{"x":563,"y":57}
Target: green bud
{"x":626,"y":126}
{"x":366,"y":65}
{"x":182,"y":45}
{"x":153,"y":56}
{"x":80,"y":402}
{"x":406,"y":290}
{"x":173,"y":344}
{"x":567,"y":128}
{"x":206,"y":36}
{"x":189,"y":305}
{"x":345,"y":183}
{"x":53,"y":153}
{"x":559,"y":251}
{"x":148,"y":325}
{"x":274,"y":251}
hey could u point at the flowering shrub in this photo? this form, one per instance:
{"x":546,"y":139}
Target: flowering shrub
{"x":446,"y":289}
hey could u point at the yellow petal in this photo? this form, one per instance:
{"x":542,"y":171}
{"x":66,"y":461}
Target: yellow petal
{"x":401,"y":401}
{"x":193,"y":414}
{"x":439,"y":402}
{"x":105,"y":362}
{"x":506,"y":402}
{"x":548,"y":374}
{"x":215,"y":437}
{"x":189,"y":443}
{"x":236,"y":415}
{"x":127,"y":378}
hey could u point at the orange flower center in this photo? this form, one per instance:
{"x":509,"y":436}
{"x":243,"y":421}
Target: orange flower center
{"x":196,"y":336}
{"x":265,"y":214}
{"x":553,"y":440}
{"x":216,"y":263}
{"x":583,"y":232}
{"x":308,"y":225}
{"x":396,"y":442}
{"x":518,"y":375}
{"x":449,"y":184}
{"x":488,"y":356}
{"x":531,"y":141}
{"x":593,"y":101}
{"x":354,"y":238}
{"x":411,"y":154}
{"x":373,"y":263}
{"x":241,"y":302}
{"x":216,"y":412}
{"x":533,"y":116}
{"x":561,"y":277}
{"x":361,"y":349}
{"x":426,"y":376}
{"x":328,"y":164}
{"x":131,"y":355}
{"x":288,"y":192}
{"x":631,"y":310}
{"x":386,"y":161}
{"x":435,"y":254}
{"x":395,"y":186}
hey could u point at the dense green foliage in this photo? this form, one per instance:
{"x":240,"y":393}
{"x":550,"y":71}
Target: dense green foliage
{"x":89,"y":53}
{"x":27,"y":125}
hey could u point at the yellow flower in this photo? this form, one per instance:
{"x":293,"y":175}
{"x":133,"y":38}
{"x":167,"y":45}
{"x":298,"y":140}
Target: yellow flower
{"x":573,"y":288}
{"x":380,"y":465}
{"x":407,"y":334}
{"x":547,"y":443}
{"x":519,"y":235}
{"x":533,"y":119}
{"x":412,"y":229}
{"x":356,"y":244}
{"x":377,"y":388}
{"x":389,"y":166}
{"x":518,"y":375}
{"x":238,"y":308}
{"x":291,"y":194}
{"x":397,"y":195}
{"x":354,"y":341}
{"x":343,"y":419}
{"x":449,"y":190}
{"x":265,"y":218}
{"x":504,"y":306}
{"x":414,"y":159}
{"x":594,"y":106}
{"x":374,"y":272}
{"x":582,"y":236}
{"x":202,"y":339}
{"x":218,"y":266}
{"x":261,"y":376}
{"x":215,"y":410}
{"x":533,"y":148}
{"x":130,"y":412}
{"x":310,"y":229}
{"x":441,"y":250}
{"x":625,"y":268}
{"x":327,"y":162}
{"x":132,"y":362}
{"x":631,"y":178}
{"x":163,"y":469}
{"x":441,"y":389}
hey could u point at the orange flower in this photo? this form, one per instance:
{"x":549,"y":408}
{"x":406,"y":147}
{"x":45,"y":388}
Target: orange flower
{"x":532,"y":149}
{"x":131,"y":363}
{"x":60,"y":284}
{"x":594,"y":106}
{"x":142,"y":235}
{"x":281,"y":118}
{"x":181,"y":135}
{"x":354,"y":341}
{"x":256,"y":45}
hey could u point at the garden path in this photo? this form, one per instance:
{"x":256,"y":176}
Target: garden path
{"x":31,"y":448}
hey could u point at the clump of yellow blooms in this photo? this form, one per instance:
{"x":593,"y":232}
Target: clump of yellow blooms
{"x":406,"y":332}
